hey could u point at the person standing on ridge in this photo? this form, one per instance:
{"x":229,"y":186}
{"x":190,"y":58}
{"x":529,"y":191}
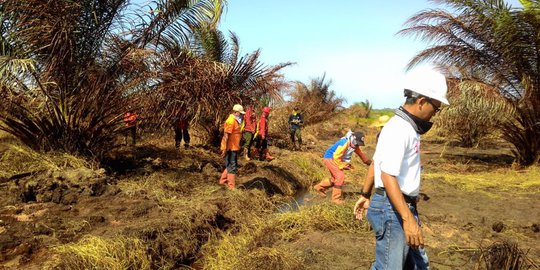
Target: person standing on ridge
{"x":336,"y":159}
{"x":296,"y":122}
{"x":181,"y":130}
{"x":262,"y":135}
{"x":392,"y":211}
{"x":230,"y":145}
{"x":380,"y":124}
{"x":130,"y":122}
{"x":248,"y":131}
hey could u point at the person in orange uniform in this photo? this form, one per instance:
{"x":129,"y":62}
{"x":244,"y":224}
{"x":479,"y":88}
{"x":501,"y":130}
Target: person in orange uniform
{"x":248,"y":131}
{"x":336,"y":159}
{"x":262,"y":135}
{"x":130,"y":121}
{"x":230,"y":146}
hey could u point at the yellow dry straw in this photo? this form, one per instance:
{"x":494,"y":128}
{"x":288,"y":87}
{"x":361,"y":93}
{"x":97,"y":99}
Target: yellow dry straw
{"x":16,"y":159}
{"x":93,"y":252}
{"x":261,"y":238}
{"x":523,"y":181}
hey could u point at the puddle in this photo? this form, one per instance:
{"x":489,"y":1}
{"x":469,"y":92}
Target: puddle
{"x":300,"y":198}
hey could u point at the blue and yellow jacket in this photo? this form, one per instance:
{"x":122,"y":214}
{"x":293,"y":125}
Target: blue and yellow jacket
{"x":342,"y":151}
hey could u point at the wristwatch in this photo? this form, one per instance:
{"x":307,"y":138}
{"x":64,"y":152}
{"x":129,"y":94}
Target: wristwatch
{"x":366,"y":195}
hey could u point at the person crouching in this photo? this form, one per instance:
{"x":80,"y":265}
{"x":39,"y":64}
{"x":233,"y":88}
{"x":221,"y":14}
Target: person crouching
{"x":336,"y":159}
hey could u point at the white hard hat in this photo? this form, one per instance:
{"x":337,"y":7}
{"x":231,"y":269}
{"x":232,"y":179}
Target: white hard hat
{"x":427,"y":82}
{"x":238,"y":108}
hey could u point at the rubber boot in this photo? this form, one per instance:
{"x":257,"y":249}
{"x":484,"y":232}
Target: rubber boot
{"x":255,"y":152}
{"x":223,"y":178}
{"x":231,"y":181}
{"x":322,"y":186}
{"x":337,"y":195}
{"x":267,"y":155}
{"x":246,"y":154}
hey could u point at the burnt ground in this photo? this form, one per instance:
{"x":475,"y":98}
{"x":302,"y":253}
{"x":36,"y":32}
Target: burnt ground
{"x":40,"y":210}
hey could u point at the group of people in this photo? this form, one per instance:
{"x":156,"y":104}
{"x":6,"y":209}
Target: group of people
{"x":244,"y":125}
{"x":254,"y":131}
{"x":180,"y":126}
{"x":394,"y":172}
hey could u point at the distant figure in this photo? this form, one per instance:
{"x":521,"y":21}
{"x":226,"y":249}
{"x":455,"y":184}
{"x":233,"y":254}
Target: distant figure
{"x":380,"y":123}
{"x":336,"y":159}
{"x":230,"y":145}
{"x":396,"y":175}
{"x":130,"y":122}
{"x":296,"y":122}
{"x":181,"y":126}
{"x":262,"y":136}
{"x":248,"y":132}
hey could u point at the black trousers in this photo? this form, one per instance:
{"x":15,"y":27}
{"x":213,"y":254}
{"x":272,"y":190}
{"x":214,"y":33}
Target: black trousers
{"x":180,"y":133}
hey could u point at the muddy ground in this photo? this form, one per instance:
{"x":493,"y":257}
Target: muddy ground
{"x":40,"y":210}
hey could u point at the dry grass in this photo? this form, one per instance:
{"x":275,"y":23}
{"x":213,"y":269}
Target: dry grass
{"x":195,"y":211}
{"x":310,"y":166}
{"x":260,"y":245}
{"x":16,"y":158}
{"x":523,"y":181}
{"x":94,"y":252}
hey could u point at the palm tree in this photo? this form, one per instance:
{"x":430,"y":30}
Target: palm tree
{"x":68,"y":69}
{"x":317,"y":101}
{"x":207,"y":77}
{"x":491,"y":42}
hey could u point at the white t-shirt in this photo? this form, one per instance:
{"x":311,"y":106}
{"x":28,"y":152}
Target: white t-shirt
{"x":398,"y":154}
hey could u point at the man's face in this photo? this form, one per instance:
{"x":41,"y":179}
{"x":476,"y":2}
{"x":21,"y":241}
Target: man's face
{"x":428,"y":107}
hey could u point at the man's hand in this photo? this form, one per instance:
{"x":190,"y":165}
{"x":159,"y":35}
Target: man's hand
{"x":360,"y":208}
{"x":413,"y":233}
{"x":223,"y":153}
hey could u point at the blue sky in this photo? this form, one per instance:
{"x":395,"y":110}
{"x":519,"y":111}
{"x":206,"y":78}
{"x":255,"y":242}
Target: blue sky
{"x":353,"y":41}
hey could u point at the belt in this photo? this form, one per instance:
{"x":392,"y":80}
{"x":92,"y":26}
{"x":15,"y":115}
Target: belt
{"x":408,"y":199}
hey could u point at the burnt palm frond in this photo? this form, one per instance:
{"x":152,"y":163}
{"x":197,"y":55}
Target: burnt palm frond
{"x":71,"y":68}
{"x":205,"y":80}
{"x":318,"y":101}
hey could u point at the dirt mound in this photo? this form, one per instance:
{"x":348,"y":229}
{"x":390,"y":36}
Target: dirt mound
{"x":46,"y":201}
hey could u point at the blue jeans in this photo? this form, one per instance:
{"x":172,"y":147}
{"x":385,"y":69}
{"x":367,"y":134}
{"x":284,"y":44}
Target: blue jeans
{"x":392,"y":251}
{"x":231,"y":162}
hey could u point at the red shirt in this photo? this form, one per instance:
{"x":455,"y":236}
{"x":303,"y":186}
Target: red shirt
{"x":250,"y":120}
{"x":263,"y":126}
{"x":130,"y":119}
{"x":182,"y":124}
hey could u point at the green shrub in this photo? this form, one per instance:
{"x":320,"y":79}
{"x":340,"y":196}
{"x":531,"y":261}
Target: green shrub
{"x":476,"y":112}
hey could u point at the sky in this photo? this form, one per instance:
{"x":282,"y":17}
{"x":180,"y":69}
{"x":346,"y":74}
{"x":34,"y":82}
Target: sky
{"x":353,"y":42}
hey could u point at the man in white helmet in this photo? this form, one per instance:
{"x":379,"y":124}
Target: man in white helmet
{"x":396,"y":165}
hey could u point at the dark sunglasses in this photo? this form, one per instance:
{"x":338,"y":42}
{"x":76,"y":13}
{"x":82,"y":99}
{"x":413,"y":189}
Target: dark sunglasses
{"x":437,"y":108}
